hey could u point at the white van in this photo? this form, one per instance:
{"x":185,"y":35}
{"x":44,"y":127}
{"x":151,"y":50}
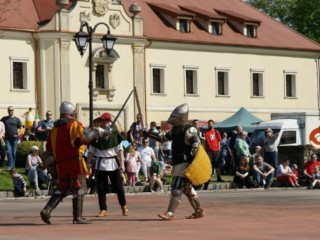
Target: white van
{"x":294,"y":129}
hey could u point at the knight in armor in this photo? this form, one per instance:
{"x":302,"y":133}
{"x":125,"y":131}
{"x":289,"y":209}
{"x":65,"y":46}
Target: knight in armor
{"x":66,"y":142}
{"x":185,"y":142}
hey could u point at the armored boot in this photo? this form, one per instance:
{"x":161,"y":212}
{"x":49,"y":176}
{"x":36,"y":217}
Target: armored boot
{"x":194,"y":201}
{"x":173,"y":204}
{"x":52,"y":204}
{"x":77,"y":206}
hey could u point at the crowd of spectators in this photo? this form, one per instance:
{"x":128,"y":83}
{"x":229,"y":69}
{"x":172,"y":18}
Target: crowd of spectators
{"x":147,"y":160}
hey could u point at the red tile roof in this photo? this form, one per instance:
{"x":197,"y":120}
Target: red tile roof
{"x":170,"y":10}
{"x":271,"y":34}
{"x":27,"y":15}
{"x":202,"y":13}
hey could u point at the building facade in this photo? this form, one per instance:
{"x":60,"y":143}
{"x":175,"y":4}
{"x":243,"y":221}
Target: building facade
{"x":217,"y":56}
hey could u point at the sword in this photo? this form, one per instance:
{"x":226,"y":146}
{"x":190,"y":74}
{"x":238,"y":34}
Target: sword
{"x":124,"y":104}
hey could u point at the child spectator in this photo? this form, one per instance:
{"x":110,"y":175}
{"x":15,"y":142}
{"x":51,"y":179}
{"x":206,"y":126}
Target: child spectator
{"x":294,"y":168}
{"x":132,"y":159}
{"x":316,"y":177}
{"x":155,"y":172}
{"x":19,"y":184}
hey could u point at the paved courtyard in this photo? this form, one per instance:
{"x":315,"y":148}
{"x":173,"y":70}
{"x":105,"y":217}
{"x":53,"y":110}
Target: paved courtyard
{"x":234,"y":215}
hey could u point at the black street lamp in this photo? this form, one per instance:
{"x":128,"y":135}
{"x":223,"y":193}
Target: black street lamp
{"x":82,"y":39}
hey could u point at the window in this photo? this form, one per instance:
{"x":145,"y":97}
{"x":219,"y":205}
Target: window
{"x":290,"y":85}
{"x":100,"y":76}
{"x":223,"y":88}
{"x":288,"y":137}
{"x":19,"y":76}
{"x":256,"y":83}
{"x":191,"y":84}
{"x":222,"y":81}
{"x":251,"y":31}
{"x":184,"y":25}
{"x":216,"y":28}
{"x":157,"y":79}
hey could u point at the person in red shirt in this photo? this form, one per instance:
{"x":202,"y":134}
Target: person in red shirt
{"x":308,"y":168}
{"x":212,"y":146}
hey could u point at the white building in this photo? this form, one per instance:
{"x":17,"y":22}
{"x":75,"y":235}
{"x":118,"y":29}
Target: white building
{"x":217,"y":56}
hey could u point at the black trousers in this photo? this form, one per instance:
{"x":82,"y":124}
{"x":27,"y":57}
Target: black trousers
{"x":116,"y":181}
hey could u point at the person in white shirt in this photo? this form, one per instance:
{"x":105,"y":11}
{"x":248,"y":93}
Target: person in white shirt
{"x":109,"y":155}
{"x":148,"y":156}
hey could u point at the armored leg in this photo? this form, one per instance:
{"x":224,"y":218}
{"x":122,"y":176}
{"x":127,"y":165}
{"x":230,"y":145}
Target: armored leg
{"x":192,"y":196}
{"x":173,"y":204}
{"x":52,"y":204}
{"x":77,"y":206}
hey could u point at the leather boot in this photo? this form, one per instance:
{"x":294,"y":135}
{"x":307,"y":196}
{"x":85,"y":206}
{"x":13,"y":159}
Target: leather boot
{"x":77,"y":205}
{"x":52,"y":204}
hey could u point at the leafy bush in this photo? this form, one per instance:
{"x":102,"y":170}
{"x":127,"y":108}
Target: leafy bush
{"x":24,"y":148}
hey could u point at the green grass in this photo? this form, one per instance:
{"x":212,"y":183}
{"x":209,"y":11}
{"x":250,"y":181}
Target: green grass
{"x":6,"y":181}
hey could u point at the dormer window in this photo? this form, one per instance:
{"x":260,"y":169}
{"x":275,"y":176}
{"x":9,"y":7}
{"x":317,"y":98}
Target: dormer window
{"x":216,"y":28}
{"x":184,"y":25}
{"x":251,"y":31}
{"x":174,"y":16}
{"x":246,"y":25}
{"x":208,"y":20}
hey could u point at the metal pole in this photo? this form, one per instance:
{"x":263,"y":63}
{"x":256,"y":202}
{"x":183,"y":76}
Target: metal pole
{"x":90,"y":81}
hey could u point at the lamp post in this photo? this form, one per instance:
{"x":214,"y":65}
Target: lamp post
{"x":82,"y":40}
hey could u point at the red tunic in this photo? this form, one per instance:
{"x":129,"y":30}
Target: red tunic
{"x":66,"y":144}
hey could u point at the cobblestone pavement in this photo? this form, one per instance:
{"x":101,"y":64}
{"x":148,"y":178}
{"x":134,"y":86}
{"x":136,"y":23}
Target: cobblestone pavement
{"x":234,"y":215}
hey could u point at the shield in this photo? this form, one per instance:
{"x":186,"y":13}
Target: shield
{"x":199,"y":171}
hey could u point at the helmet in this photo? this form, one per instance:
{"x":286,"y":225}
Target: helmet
{"x":179,"y":115}
{"x":67,"y":108}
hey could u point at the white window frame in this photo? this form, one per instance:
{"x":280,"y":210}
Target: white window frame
{"x":211,"y":28}
{"x":25,"y":69}
{"x":179,"y":24}
{"x":194,"y":69}
{"x":293,"y":83}
{"x":254,"y":30}
{"x":162,"y":69}
{"x":226,"y":81}
{"x":260,"y":72}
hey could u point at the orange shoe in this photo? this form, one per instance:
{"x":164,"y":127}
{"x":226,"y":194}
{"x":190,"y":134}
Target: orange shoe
{"x":102,"y":213}
{"x":125,"y":210}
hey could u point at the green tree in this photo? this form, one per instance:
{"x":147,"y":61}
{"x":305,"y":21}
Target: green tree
{"x":301,"y":15}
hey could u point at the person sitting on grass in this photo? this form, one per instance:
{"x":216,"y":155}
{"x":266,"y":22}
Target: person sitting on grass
{"x":19,"y":184}
{"x":155,"y":172}
{"x":285,"y":175}
{"x":34,"y":168}
{"x":316,"y":177}
{"x":263,"y":172}
{"x":242,"y":177}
